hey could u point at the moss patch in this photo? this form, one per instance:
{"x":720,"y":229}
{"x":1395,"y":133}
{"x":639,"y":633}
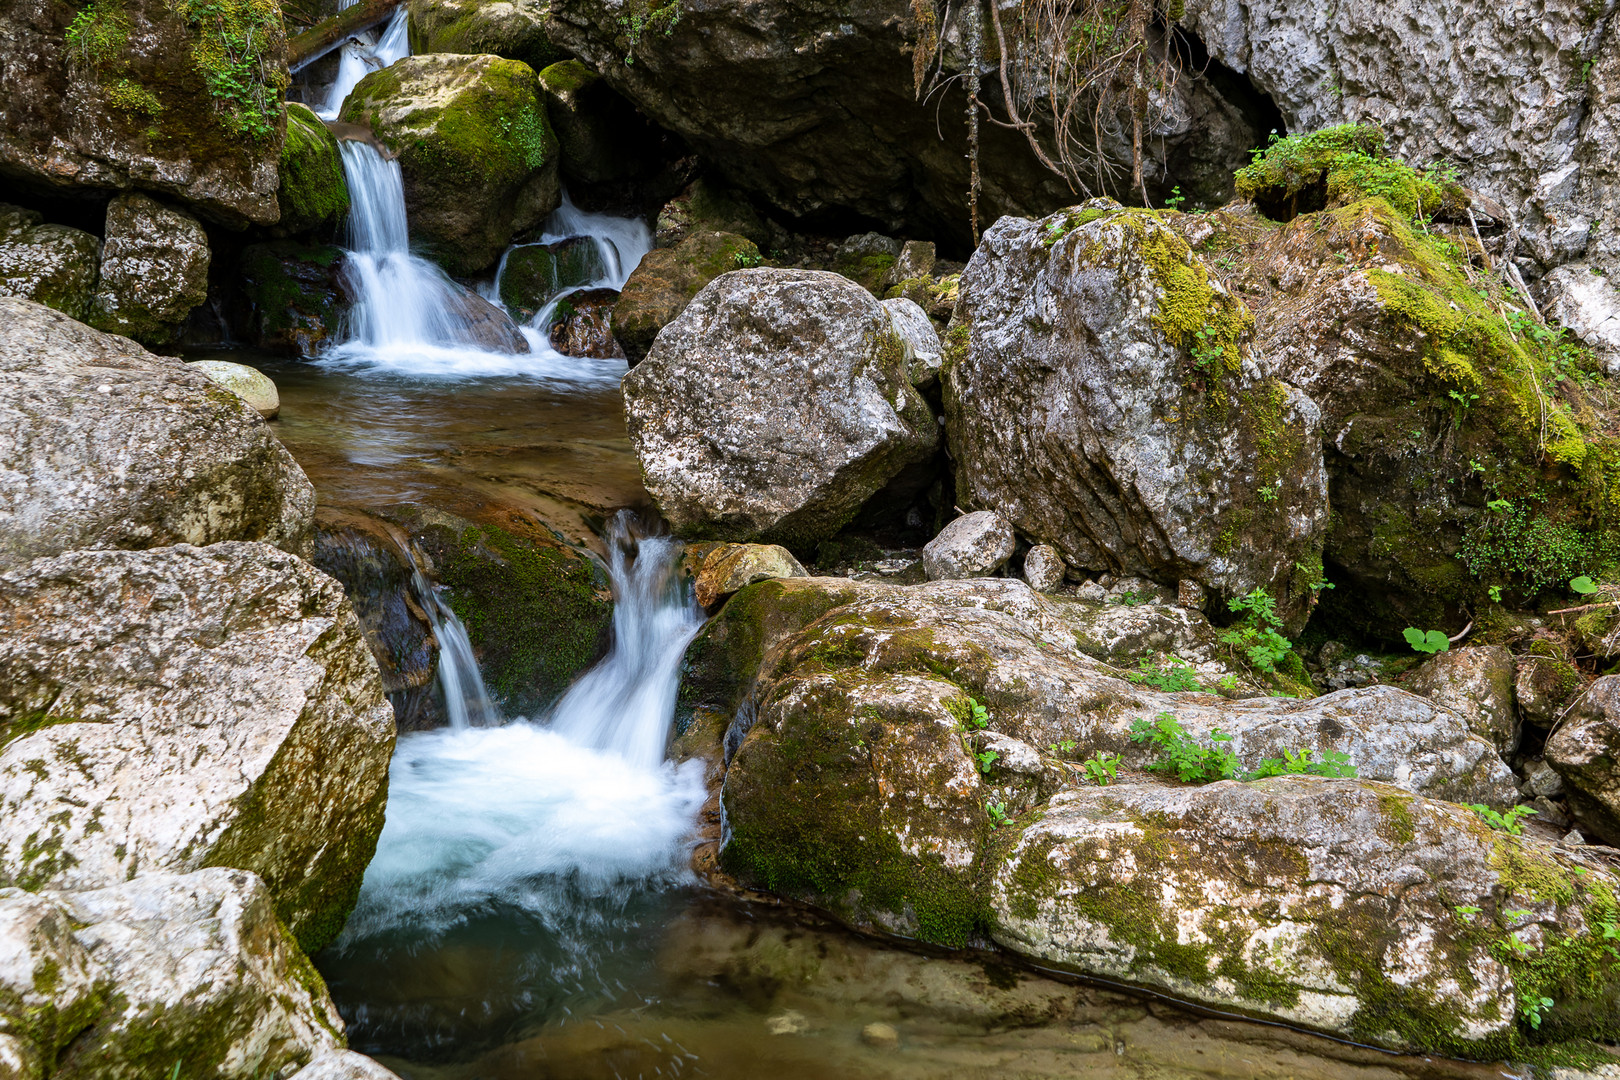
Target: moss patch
{"x":312,"y":192}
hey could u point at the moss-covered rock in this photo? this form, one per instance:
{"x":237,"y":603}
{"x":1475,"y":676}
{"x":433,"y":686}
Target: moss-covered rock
{"x":534,"y":273}
{"x":294,"y":295}
{"x":706,"y":206}
{"x":154,"y":270}
{"x":1337,"y":166}
{"x":48,"y":264}
{"x":666,"y":280}
{"x":312,"y":193}
{"x":604,"y":139}
{"x":478,"y":154}
{"x":515,"y":29}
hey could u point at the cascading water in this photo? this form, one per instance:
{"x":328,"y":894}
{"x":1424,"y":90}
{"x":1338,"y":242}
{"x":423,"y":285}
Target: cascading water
{"x":361,"y":55}
{"x":466,"y":700}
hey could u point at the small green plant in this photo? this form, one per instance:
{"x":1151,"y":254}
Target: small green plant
{"x":1508,"y":822}
{"x":998,"y":814}
{"x":1227,"y":683}
{"x":1101,"y":769}
{"x":1584,"y":585}
{"x":986,"y":758}
{"x":1175,"y":199}
{"x":1174,"y":676}
{"x":1181,"y":754}
{"x":1518,"y":945}
{"x":1131,"y":598}
{"x":1334,"y":763}
{"x":1467,"y":911}
{"x":1270,"y":491}
{"x":1432,"y":642}
{"x":1257,"y":636}
{"x":636,"y":25}
{"x":1532,"y":1008}
{"x":1496,"y":594}
{"x":978,"y":717}
{"x":743,"y":260}
{"x":1208,"y":352}
{"x":1063,"y":747}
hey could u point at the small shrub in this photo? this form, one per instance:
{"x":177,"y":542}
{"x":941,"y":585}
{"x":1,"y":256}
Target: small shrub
{"x":1181,"y":754}
{"x":998,"y":814}
{"x":1256,"y":637}
{"x":1174,"y":676}
{"x":1508,"y":822}
{"x":1101,"y":769}
{"x":1334,"y":763}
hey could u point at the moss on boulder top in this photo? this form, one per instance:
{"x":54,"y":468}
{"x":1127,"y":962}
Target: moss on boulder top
{"x":1338,"y":166}
{"x":515,"y":29}
{"x":475,"y":146}
{"x":312,"y":194}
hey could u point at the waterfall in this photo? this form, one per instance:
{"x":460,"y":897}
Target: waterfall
{"x":466,"y":701}
{"x":360,"y":57}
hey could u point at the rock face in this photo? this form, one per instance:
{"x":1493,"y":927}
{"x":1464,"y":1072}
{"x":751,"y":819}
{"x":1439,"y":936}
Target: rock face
{"x":773,"y":407}
{"x":154,"y":270}
{"x":974,"y":545}
{"x":119,"y":983}
{"x":1585,"y":749}
{"x":476,"y":149}
{"x":1098,"y":393}
{"x":1338,"y":905}
{"x":312,"y":192}
{"x":103,"y":445}
{"x":48,"y":264}
{"x":515,"y":29}
{"x":186,"y":707}
{"x":107,"y":97}
{"x":295,"y":295}
{"x":604,"y":140}
{"x":665,"y":282}
{"x":1476,"y":681}
{"x":249,"y":384}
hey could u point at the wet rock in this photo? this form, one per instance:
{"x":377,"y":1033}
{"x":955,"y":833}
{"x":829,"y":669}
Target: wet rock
{"x":582,"y":325}
{"x":295,"y":295}
{"x":773,"y":407}
{"x":343,"y":1065}
{"x":974,"y":545}
{"x":477,"y":152}
{"x":48,"y":264}
{"x":1585,"y":749}
{"x":118,"y":983}
{"x":515,"y":29}
{"x":1476,"y":681}
{"x":722,"y":569}
{"x":249,"y":384}
{"x":924,"y":355}
{"x":666,"y":281}
{"x":1337,"y":905}
{"x":1043,"y":568}
{"x":484,"y":324}
{"x":182,"y":707}
{"x":130,"y":99}
{"x":1076,"y":407}
{"x":312,"y":193}
{"x":603,"y":139}
{"x":534,"y":273}
{"x":104,"y":445}
{"x":154,"y":270}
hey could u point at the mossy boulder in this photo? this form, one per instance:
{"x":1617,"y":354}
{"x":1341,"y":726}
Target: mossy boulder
{"x":1476,"y":681}
{"x":154,"y":270}
{"x":48,"y":264}
{"x":1338,"y":166}
{"x":534,"y":273}
{"x":1100,"y":394}
{"x":514,"y":29}
{"x":707,"y":206}
{"x":477,"y":152}
{"x":312,"y":193}
{"x":295,"y":295}
{"x":666,"y":281}
{"x":604,"y":139}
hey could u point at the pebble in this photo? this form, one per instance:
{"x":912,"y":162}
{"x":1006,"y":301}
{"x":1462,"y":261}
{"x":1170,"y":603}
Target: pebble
{"x":882,"y":1036}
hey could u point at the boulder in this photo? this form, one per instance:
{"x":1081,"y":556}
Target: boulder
{"x":1477,"y":682}
{"x":706,"y":206}
{"x":515,"y":29}
{"x":483,"y":324}
{"x":119,"y":983}
{"x":154,"y":270}
{"x":666,"y":281}
{"x":312,"y":193}
{"x":869,"y":259}
{"x":103,"y":445}
{"x":721,"y":569}
{"x":249,"y":384}
{"x":534,"y":273}
{"x":1099,"y":395}
{"x":974,"y":545}
{"x":1543,"y":682}
{"x":477,"y":152}
{"x":186,"y":707}
{"x":580,"y":325}
{"x":924,"y":354}
{"x":48,"y":264}
{"x":295,"y":295}
{"x":773,"y":407}
{"x":1585,"y":750}
{"x":1043,"y":568}
{"x":105,"y":97}
{"x":603,"y":139}
{"x":1338,"y":905}
{"x":343,"y":1065}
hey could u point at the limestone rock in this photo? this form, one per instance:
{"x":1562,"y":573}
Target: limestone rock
{"x":48,"y":264}
{"x":154,"y":270}
{"x":1339,"y":905}
{"x":343,"y":1065}
{"x":118,"y":983}
{"x":312,"y":193}
{"x":666,"y":281}
{"x":722,"y":569}
{"x":183,"y":707}
{"x":1043,"y":568}
{"x":125,"y":100}
{"x":1585,"y":301}
{"x":296,"y":295}
{"x":477,"y":152}
{"x":603,"y":139}
{"x":974,"y":545}
{"x":515,"y":29}
{"x":705,"y":206}
{"x":105,"y":445}
{"x":924,"y":355}
{"x":1585,"y":750}
{"x":1476,"y":681}
{"x":1076,"y":407}
{"x":773,"y":407}
{"x":249,"y":384}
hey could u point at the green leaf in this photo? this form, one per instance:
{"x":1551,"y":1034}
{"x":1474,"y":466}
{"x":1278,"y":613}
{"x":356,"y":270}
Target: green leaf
{"x":1432,"y":642}
{"x":1584,"y":585}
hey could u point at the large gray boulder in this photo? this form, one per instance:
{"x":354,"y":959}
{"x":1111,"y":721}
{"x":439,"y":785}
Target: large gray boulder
{"x":1585,"y":750}
{"x":119,"y":983}
{"x":186,"y":707}
{"x":974,"y":545}
{"x":773,"y":407}
{"x":103,"y":445}
{"x":1477,"y":682}
{"x":1099,"y":394}
{"x":49,"y":264}
{"x":154,"y":270}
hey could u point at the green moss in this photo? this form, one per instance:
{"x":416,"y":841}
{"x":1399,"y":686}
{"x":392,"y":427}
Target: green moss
{"x":132,"y":98}
{"x":26,"y":723}
{"x":312,"y":192}
{"x":1335,"y":166}
{"x":1398,"y":824}
{"x":568,"y":77}
{"x":234,"y":53}
{"x":99,"y":33}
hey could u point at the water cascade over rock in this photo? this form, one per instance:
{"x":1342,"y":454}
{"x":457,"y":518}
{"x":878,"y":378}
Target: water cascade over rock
{"x":360,"y":59}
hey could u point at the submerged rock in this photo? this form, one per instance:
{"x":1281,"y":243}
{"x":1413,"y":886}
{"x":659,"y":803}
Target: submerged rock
{"x":515,"y":29}
{"x":119,"y":983}
{"x":249,"y":384}
{"x":666,"y":281}
{"x":183,"y":707}
{"x":103,"y":445}
{"x":773,"y":407}
{"x":974,"y":545}
{"x":154,"y":270}
{"x":295,"y":293}
{"x":312,"y":193}
{"x":48,"y":264}
{"x":1099,"y":395}
{"x":477,"y":152}
{"x":484,"y":324}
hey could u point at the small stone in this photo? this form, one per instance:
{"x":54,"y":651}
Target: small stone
{"x":249,"y":384}
{"x":1574,"y":836}
{"x":881,"y":1036}
{"x":974,"y":545}
{"x":1043,"y":568}
{"x":1550,"y":812}
{"x":1190,"y":594}
{"x":788,"y":1022}
{"x":1093,"y":591}
{"x":1542,"y":779}
{"x":725,"y":568}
